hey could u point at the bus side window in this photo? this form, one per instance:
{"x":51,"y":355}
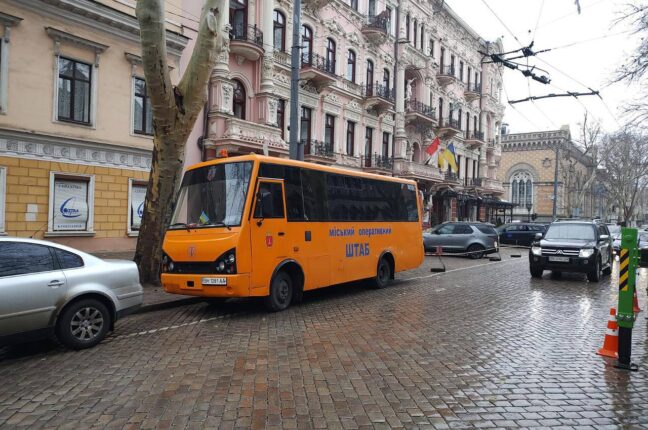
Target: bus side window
{"x":269,"y":202}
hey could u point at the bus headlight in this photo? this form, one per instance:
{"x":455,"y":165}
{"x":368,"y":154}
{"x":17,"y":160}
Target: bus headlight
{"x":167,"y":264}
{"x":226,"y":263}
{"x":221,"y":266}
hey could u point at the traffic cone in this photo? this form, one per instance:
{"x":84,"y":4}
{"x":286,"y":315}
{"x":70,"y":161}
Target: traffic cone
{"x":635,"y":303}
{"x":611,"y":342}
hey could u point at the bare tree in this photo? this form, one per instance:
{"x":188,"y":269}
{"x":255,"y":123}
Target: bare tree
{"x":625,"y":169}
{"x":175,"y":109}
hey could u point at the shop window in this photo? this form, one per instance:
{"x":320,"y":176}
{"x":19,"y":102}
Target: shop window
{"x":136,"y":197}
{"x":71,"y":204}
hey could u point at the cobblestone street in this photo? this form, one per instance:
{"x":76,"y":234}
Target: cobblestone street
{"x":482,"y":345}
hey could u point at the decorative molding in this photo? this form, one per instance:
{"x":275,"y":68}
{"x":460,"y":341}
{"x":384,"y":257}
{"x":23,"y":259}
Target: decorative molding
{"x":59,"y":36}
{"x":52,"y":148}
{"x":8,"y":21}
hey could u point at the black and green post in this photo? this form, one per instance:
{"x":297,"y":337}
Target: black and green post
{"x":628,"y":261}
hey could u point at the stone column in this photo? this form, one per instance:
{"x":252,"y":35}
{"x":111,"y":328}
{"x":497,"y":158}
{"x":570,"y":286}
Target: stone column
{"x":400,"y":137}
{"x":267,"y":26}
{"x":221,"y":67}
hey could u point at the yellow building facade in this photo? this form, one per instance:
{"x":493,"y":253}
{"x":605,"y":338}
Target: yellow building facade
{"x":75,"y":121}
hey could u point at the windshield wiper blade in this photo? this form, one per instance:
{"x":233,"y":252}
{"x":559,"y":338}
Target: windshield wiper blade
{"x":180,"y":224}
{"x":217,"y":224}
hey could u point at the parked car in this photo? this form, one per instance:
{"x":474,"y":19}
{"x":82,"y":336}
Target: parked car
{"x":642,"y":241}
{"x":573,"y":246}
{"x":455,"y":237}
{"x":519,"y":233}
{"x":614,"y":229}
{"x":47,"y":288}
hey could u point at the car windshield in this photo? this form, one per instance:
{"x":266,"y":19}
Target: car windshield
{"x":614,"y":229}
{"x":570,"y":231}
{"x":212,"y":196}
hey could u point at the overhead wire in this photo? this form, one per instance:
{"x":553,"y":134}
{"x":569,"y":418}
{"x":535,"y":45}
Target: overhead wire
{"x":502,"y":22}
{"x":538,"y":20}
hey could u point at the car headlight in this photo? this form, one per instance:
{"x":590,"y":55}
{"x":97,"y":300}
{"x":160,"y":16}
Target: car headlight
{"x":226,"y":263}
{"x":586,"y":253}
{"x":536,"y":250}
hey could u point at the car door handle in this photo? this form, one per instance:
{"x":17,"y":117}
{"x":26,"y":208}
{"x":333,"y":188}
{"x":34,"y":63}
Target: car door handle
{"x":55,"y":283}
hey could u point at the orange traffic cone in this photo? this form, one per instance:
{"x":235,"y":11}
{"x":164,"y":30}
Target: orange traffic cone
{"x":611,"y":342}
{"x":635,"y":303}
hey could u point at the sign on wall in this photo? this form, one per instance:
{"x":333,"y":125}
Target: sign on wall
{"x":138,"y":194}
{"x":70,"y":205}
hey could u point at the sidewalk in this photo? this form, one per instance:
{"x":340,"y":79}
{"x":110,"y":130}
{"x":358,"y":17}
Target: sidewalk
{"x":155,"y":298}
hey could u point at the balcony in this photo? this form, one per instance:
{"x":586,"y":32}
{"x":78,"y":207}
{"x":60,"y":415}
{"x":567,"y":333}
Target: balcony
{"x":475,"y":139}
{"x":490,"y":145}
{"x":472,"y":92}
{"x":282,"y":58}
{"x":246,"y":42}
{"x":446,"y":75}
{"x":448,"y":127}
{"x":378,"y":163}
{"x":317,"y":70}
{"x":450,"y":178}
{"x":243,"y":137}
{"x":376,"y":29}
{"x":420,"y":115}
{"x":417,"y":171}
{"x":489,"y":185}
{"x":378,"y":97}
{"x":317,"y":151}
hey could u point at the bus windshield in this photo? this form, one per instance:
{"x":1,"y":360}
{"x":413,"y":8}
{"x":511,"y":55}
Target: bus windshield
{"x":212,"y":196}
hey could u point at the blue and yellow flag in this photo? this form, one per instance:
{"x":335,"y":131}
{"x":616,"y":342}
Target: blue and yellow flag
{"x":203,"y":218}
{"x":449,"y":156}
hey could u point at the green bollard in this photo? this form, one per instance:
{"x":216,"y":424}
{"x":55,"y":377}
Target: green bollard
{"x":628,"y":259}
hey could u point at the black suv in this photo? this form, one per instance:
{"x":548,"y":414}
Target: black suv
{"x":573,"y":246}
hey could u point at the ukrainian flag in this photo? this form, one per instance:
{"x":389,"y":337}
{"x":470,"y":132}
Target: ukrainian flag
{"x":450,"y":158}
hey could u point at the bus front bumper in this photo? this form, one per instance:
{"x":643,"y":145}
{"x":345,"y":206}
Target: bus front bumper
{"x":207,"y":285}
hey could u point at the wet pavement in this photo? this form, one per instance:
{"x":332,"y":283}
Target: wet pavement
{"x":482,"y":345}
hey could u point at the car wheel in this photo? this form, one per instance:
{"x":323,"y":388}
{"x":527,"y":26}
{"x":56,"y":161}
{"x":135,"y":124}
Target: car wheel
{"x":281,"y":292}
{"x":475,"y":251}
{"x":536,"y":272}
{"x":83,"y":324}
{"x":594,"y":275}
{"x":383,"y":274}
{"x":608,"y":270}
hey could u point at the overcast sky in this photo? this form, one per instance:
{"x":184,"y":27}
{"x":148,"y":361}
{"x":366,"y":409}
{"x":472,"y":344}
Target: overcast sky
{"x":591,"y":63}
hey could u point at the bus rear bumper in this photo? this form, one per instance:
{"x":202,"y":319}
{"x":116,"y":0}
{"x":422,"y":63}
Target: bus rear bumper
{"x":195,"y":285}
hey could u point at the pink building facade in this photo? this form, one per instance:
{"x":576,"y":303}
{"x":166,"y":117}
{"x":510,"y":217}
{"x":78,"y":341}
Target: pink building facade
{"x":378,"y":82}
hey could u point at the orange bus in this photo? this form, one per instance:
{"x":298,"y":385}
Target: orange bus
{"x":255,"y":226}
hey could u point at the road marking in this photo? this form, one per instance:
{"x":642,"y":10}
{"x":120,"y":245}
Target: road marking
{"x":171,"y":327}
{"x":461,"y":268}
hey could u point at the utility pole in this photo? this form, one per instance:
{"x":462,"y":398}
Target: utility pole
{"x":555,"y":190}
{"x":296,"y":147}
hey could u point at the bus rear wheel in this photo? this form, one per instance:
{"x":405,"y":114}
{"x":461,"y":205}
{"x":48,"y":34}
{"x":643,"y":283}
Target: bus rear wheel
{"x":281,"y":292}
{"x":383,"y":274}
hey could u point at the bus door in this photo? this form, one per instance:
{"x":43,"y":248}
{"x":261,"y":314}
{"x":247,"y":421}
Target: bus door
{"x":270,"y":241}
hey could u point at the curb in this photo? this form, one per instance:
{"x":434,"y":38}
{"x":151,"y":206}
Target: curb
{"x":152,"y":307}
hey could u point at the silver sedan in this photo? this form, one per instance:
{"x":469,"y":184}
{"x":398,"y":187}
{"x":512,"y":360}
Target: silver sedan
{"x":47,"y":288}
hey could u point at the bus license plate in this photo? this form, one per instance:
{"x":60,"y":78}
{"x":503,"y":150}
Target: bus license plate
{"x":214,"y":281}
{"x":559,"y":259}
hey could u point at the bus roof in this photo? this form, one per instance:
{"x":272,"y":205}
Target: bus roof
{"x":296,"y":163}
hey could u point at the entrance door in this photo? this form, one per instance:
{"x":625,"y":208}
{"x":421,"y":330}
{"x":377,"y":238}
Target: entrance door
{"x":269,"y":233}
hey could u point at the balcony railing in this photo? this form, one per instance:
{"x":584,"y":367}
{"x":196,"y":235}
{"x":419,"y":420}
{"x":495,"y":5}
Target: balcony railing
{"x":378,"y":90}
{"x":475,"y":88}
{"x":378,"y":22}
{"x":251,"y":34}
{"x":378,"y":161}
{"x":310,"y":59}
{"x":476,"y":135}
{"x":422,"y":108}
{"x":447,"y":71}
{"x":451,"y":176}
{"x":318,"y":148}
{"x":450,"y":123}
{"x":476,"y":182}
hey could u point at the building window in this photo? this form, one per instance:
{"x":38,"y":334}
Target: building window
{"x":354,"y":4}
{"x":281,"y":116}
{"x":370,"y":77}
{"x":238,"y":11}
{"x":305,"y":125}
{"x":71,"y":203}
{"x":442,"y":59}
{"x":415,"y":38}
{"x":386,"y":81}
{"x":459,"y":117}
{"x":136,"y":197}
{"x":368,"y":143}
{"x":385,"y":145}
{"x":461,"y":70}
{"x":422,"y":46}
{"x":142,"y":113}
{"x":388,"y":12}
{"x":351,"y":66}
{"x":279,"y":31}
{"x":3,"y":196}
{"x":329,"y":131}
{"x":468,"y":123}
{"x":407,"y":27}
{"x":350,"y":138}
{"x":432,"y":48}
{"x":522,"y":189}
{"x":330,"y":55}
{"x":307,"y":45}
{"x":441,"y":111}
{"x":452,"y":64}
{"x":469,"y":77}
{"x":239,"y":99}
{"x":74,"y":83}
{"x":371,"y":9}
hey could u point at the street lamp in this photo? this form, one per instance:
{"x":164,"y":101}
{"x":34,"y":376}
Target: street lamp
{"x":529,"y":205}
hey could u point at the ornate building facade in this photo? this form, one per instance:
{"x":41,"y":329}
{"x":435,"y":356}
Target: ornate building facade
{"x":378,"y":82}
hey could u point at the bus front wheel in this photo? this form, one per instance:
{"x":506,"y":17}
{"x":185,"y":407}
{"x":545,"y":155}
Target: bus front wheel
{"x":281,"y":292}
{"x":383,"y":274}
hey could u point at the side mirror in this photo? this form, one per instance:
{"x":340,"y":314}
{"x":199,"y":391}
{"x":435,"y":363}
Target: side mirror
{"x":538,"y":236}
{"x":258,"y":207}
{"x":604,"y":237}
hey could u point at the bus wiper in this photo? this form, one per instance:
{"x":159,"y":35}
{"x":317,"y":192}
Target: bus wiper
{"x":180,"y":224}
{"x":217,"y":224}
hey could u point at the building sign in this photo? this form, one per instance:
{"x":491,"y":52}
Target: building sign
{"x":70,"y":205}
{"x":138,"y":194}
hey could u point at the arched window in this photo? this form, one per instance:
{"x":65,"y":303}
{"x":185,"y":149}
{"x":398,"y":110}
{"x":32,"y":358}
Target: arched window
{"x":307,"y":45}
{"x":440,"y":111}
{"x":415,"y":41}
{"x":386,"y":81}
{"x":522,"y":189}
{"x":370,"y":77}
{"x":330,"y":55}
{"x":239,"y":99}
{"x":416,"y":154}
{"x":351,"y":66}
{"x":279,"y":31}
